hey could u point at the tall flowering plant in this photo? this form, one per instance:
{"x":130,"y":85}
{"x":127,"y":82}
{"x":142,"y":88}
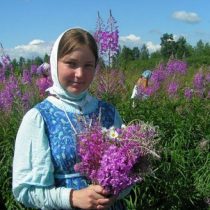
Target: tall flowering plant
{"x":107,"y":37}
{"x":116,"y":158}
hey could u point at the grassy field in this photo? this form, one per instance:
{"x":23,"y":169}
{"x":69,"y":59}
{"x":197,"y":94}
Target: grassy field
{"x":181,"y":180}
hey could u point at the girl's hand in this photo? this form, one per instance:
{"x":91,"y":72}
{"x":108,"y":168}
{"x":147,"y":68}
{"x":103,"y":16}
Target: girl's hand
{"x":92,"y":197}
{"x":106,"y":204}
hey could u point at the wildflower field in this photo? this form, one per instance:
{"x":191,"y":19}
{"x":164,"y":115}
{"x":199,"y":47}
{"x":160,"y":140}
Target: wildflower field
{"x":178,"y":104}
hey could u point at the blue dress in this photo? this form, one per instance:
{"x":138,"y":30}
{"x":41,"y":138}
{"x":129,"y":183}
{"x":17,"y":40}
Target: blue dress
{"x":63,"y":144}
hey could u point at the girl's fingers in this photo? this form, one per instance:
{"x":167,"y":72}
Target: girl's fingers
{"x":97,"y":188}
{"x":105,"y":203}
{"x":102,"y":207}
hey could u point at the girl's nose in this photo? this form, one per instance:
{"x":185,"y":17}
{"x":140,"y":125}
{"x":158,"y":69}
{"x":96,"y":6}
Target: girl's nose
{"x":79,"y":71}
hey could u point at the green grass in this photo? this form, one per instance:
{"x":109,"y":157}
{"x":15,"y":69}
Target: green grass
{"x":181,"y":179}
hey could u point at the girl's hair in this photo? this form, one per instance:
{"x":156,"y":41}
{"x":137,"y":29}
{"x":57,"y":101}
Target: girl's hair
{"x":74,"y":39}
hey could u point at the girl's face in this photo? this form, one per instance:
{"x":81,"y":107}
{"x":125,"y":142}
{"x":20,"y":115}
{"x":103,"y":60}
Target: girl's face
{"x":76,"y":70}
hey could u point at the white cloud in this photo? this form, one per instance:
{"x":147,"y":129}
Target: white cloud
{"x":39,"y":47}
{"x":176,"y":36}
{"x":152,"y":47}
{"x":33,"y":49}
{"x":135,"y":41}
{"x":130,"y":38}
{"x":36,"y":42}
{"x":130,"y":41}
{"x":189,"y":17}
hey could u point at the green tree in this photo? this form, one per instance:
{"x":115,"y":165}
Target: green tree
{"x":125,"y":55}
{"x":182,"y":49}
{"x":46,"y":58}
{"x":200,"y":54}
{"x":136,"y":53}
{"x":207,"y":49}
{"x":38,"y":61}
{"x":22,"y":62}
{"x":144,"y":52}
{"x":168,"y":45}
{"x":200,"y":46}
{"x":156,"y":55}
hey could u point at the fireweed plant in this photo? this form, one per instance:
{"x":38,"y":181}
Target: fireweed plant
{"x":107,"y":37}
{"x":170,"y":79}
{"x":184,"y":134}
{"x":117,"y":158}
{"x":108,"y":84}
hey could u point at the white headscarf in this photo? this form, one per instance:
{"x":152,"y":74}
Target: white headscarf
{"x":56,"y":88}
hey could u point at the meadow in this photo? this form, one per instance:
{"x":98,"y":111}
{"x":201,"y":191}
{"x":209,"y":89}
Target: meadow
{"x":178,"y":104}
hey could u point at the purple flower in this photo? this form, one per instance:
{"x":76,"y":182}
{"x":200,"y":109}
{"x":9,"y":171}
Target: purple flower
{"x":176,"y":66}
{"x":172,"y":88}
{"x":26,"y":100}
{"x":198,"y":81}
{"x":115,"y":174}
{"x":208,"y":77}
{"x":43,"y":83}
{"x":44,"y":69}
{"x":26,"y":79}
{"x":99,"y":154}
{"x":5,"y":60}
{"x":9,"y":92}
{"x":188,"y":93}
{"x":159,"y":74}
{"x":107,"y":37}
{"x":33,"y":69}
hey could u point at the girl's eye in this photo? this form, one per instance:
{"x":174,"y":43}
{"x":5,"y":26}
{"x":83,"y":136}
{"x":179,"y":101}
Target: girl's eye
{"x":72,"y":64}
{"x":89,"y":66}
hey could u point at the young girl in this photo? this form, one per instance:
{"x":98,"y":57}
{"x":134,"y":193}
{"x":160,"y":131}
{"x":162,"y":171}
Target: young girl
{"x":45,"y":149}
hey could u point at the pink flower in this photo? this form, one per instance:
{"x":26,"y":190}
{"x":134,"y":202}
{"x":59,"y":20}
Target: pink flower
{"x":109,"y":156}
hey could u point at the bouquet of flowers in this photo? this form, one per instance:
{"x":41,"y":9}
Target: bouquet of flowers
{"x":116,"y":158}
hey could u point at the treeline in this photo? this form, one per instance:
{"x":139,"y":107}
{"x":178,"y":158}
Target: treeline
{"x":196,"y":56}
{"x":128,"y":58}
{"x":22,"y":63}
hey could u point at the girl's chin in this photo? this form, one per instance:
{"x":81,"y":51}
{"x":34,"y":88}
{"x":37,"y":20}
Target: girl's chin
{"x":75,"y":91}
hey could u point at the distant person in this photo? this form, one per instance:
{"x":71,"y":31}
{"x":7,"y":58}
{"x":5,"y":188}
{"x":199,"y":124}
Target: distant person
{"x":140,"y":86}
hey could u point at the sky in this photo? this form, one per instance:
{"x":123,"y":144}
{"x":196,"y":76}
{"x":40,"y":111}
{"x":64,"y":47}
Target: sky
{"x":28,"y":28}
